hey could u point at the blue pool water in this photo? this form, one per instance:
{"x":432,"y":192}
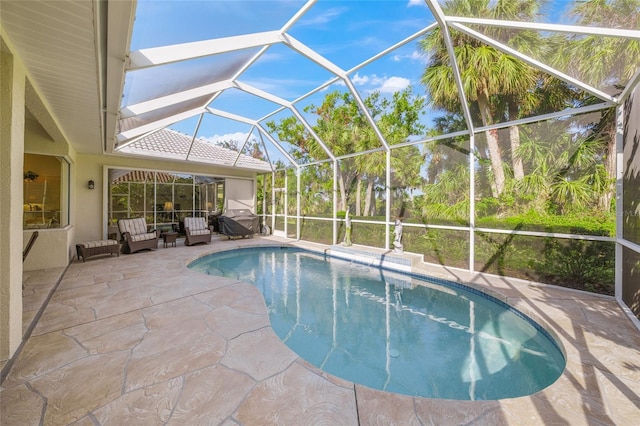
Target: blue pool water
{"x":395,"y":332}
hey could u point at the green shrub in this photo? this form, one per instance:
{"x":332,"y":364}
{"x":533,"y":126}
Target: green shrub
{"x":568,"y":224}
{"x":585,"y":265}
{"x":487,"y":207}
{"x":580,"y":264}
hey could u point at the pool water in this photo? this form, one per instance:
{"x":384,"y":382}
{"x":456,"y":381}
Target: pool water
{"x":395,"y":332}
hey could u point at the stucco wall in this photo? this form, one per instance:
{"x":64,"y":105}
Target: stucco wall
{"x":12,"y":105}
{"x":38,"y":141}
{"x":52,"y":249}
{"x":240,"y":194}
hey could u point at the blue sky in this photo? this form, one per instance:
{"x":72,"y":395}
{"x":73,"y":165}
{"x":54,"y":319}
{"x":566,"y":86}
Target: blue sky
{"x":344,"y":32}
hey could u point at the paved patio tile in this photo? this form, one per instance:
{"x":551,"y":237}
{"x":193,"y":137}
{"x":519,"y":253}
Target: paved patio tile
{"x":140,"y":339}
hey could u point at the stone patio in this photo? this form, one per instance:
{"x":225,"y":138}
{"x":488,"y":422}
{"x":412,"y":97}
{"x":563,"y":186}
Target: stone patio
{"x":140,"y":339}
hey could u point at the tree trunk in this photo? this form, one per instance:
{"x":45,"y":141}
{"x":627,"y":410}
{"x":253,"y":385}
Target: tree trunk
{"x":492,"y":144}
{"x":604,"y":200}
{"x":514,"y":136}
{"x":358,"y":190}
{"x":342,"y":201}
{"x":368,"y":198}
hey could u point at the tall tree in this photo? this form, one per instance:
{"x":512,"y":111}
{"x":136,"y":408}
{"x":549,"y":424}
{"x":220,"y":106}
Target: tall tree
{"x":344,"y":130}
{"x":397,"y":118}
{"x":611,"y":69}
{"x":493,"y":80}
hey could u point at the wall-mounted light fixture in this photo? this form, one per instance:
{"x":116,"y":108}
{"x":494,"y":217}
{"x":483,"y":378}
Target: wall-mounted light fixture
{"x":91,"y":184}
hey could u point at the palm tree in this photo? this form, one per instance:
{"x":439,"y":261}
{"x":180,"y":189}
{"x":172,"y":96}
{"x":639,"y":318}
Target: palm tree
{"x":489,"y":77}
{"x":517,"y":94}
{"x":566,"y":176}
{"x":611,"y":69}
{"x":447,"y":198}
{"x":617,"y":58}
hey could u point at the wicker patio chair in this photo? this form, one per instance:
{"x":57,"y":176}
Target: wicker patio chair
{"x":196,"y":231}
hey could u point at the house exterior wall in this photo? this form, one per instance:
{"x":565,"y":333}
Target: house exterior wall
{"x":92,"y":210}
{"x":12,"y":105}
{"x":240,"y":194}
{"x":19,"y":134}
{"x":53,"y":248}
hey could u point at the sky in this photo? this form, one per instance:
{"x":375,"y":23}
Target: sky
{"x":346,"y":33}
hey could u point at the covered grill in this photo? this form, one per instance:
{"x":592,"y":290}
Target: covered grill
{"x":239,"y":223}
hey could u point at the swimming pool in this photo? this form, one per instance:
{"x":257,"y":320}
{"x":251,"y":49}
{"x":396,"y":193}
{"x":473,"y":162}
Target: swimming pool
{"x":394,"y":332}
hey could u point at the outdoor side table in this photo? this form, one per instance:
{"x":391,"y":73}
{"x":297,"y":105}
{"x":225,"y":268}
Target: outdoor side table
{"x":169,"y":238}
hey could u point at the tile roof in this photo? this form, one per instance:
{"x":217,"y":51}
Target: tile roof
{"x":167,"y":143}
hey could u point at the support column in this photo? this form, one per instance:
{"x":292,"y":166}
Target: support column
{"x":619,"y":262}
{"x":12,"y":109}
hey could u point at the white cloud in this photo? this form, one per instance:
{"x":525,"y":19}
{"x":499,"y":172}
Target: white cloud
{"x":359,"y":80}
{"x":271,"y":57}
{"x":394,"y":84}
{"x":416,"y":3}
{"x":326,"y":17}
{"x":419,"y":56}
{"x":415,"y":56}
{"x":371,"y":83}
{"x":238,"y":137}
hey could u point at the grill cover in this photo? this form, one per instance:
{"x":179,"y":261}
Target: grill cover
{"x":239,"y":223}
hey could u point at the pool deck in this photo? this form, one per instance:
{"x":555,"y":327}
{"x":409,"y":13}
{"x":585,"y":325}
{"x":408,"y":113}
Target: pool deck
{"x":140,"y":339}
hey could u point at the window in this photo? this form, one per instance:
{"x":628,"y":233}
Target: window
{"x":164,"y":199}
{"x":45,"y":192}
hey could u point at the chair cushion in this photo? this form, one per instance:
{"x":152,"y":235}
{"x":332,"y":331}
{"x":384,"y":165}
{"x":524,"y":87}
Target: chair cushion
{"x":100,"y":243}
{"x":133,"y":226}
{"x":195,"y":224}
{"x":143,"y":237}
{"x":200,"y":232}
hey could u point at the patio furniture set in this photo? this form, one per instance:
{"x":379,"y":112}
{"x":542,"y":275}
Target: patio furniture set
{"x":137,"y":235}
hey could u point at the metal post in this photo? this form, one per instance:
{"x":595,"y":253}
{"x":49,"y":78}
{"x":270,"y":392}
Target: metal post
{"x":335,"y":201}
{"x":472,"y":202}
{"x":619,"y":200}
{"x":273,"y":200}
{"x":298,"y":205}
{"x":286,"y":202}
{"x":388,"y":203}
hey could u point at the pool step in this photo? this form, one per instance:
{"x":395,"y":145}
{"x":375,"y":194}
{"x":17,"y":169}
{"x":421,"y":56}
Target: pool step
{"x":387,"y":259}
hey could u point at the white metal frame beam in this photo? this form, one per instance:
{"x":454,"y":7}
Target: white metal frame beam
{"x":244,"y":144}
{"x":299,"y":14}
{"x":261,"y":94}
{"x":392,"y":48}
{"x":156,"y":125}
{"x":631,"y":85}
{"x":278,"y":146}
{"x":155,"y":56}
{"x":441,"y":18}
{"x":533,"y":62}
{"x":231,"y":116}
{"x":193,"y":138}
{"x":539,"y":26}
{"x":165,"y":101}
{"x":331,"y":67}
{"x":313,"y":134}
